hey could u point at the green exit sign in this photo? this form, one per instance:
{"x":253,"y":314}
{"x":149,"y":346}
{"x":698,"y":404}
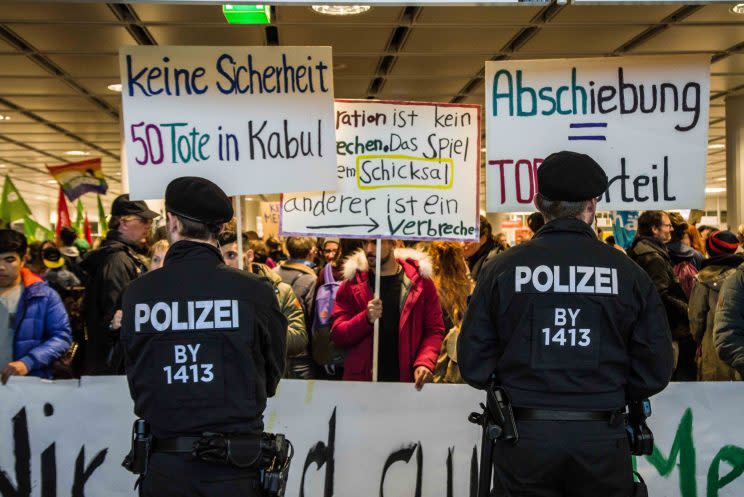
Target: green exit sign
{"x":247,"y":14}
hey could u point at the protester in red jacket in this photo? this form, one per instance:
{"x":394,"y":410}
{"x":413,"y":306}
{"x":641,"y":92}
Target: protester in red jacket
{"x":411,"y":326}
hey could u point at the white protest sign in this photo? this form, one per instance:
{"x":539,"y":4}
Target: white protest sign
{"x":643,"y":119}
{"x":406,"y":170}
{"x":68,"y":439}
{"x":251,"y":119}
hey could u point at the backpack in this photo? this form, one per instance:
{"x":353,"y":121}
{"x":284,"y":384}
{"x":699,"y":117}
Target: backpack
{"x":686,"y":272}
{"x":323,"y":350}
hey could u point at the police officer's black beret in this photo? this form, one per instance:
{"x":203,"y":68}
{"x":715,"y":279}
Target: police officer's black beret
{"x":570,"y":177}
{"x":199,"y":200}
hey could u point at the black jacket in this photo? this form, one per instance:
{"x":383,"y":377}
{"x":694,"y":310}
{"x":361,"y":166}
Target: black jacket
{"x":653,"y":257}
{"x":110,"y":270}
{"x":566,"y":322}
{"x":728,"y":331}
{"x":485,"y":253}
{"x":679,"y":252}
{"x":204,"y":344}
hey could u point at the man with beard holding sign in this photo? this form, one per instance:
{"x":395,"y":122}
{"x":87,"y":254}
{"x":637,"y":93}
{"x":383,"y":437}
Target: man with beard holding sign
{"x":570,"y":331}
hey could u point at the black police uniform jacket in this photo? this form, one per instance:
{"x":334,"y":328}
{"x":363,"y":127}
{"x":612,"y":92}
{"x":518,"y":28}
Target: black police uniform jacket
{"x":565,"y":321}
{"x":204,"y":345}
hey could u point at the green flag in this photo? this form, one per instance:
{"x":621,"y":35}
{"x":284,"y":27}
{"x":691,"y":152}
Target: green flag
{"x":35,"y":232}
{"x":78,"y":225}
{"x":12,"y":205}
{"x":102,"y":218}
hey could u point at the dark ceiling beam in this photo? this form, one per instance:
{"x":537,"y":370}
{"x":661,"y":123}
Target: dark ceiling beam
{"x":28,"y":168}
{"x":652,"y":32}
{"x":126,"y":15}
{"x":395,"y":44}
{"x":22,"y":46}
{"x":32,"y":149}
{"x":738,"y":48}
{"x":544,"y":16}
{"x":272,"y":32}
{"x":56,"y":127}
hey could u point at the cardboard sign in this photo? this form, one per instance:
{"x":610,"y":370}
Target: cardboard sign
{"x":643,"y":119}
{"x":350,"y":439}
{"x":406,"y":170}
{"x":251,"y":119}
{"x":270,"y":219}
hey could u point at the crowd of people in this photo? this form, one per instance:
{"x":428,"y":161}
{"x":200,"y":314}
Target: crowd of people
{"x":60,"y":302}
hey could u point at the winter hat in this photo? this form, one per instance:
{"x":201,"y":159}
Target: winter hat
{"x":721,"y":242}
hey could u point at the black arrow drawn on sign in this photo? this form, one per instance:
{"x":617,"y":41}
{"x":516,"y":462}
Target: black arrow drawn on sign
{"x":372,"y":226}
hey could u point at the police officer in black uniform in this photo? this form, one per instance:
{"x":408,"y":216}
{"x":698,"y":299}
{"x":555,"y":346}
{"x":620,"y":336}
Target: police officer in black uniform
{"x":572,"y":330}
{"x":205,"y":346}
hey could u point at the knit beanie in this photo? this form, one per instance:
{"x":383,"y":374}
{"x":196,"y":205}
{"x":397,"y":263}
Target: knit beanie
{"x":721,"y":242}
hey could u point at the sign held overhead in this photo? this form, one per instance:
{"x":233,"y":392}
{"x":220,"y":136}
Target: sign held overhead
{"x":643,"y":119}
{"x":251,"y":119}
{"x":405,"y":170}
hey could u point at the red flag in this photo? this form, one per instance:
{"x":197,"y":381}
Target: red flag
{"x":63,"y":215}
{"x":86,"y":230}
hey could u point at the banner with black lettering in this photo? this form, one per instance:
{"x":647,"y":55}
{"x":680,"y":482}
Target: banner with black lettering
{"x":367,"y":440}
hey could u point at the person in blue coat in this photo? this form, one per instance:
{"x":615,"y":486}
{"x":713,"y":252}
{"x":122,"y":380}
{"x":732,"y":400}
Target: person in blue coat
{"x":34,"y":326}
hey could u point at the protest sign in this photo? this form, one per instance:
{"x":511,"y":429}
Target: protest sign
{"x":270,"y":219}
{"x":251,"y":119}
{"x":406,"y":170}
{"x":349,"y":439}
{"x":624,"y":227}
{"x":643,"y":119}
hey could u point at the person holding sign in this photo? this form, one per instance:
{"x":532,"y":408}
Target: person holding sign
{"x":411,"y":326}
{"x":571,"y":330}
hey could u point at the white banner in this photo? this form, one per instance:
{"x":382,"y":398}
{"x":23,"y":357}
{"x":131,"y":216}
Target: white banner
{"x":65,"y":439}
{"x":643,"y":119}
{"x":251,"y":119}
{"x":406,"y":170}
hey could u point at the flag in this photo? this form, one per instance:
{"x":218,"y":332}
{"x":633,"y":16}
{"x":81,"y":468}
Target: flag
{"x":63,"y":215}
{"x":86,"y":231}
{"x":35,"y":232}
{"x":12,"y":206}
{"x":103,"y":225}
{"x":78,"y":224}
{"x":78,"y":178}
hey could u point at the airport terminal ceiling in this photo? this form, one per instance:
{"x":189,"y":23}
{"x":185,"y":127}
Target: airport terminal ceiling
{"x":58,"y":60}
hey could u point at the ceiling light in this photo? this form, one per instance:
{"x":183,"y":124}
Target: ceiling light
{"x":738,"y":8}
{"x":717,"y":145}
{"x":248,"y":199}
{"x":51,"y":181}
{"x":115,"y":87}
{"x":247,"y":14}
{"x":714,"y":189}
{"x":341,"y":10}
{"x":722,"y":178}
{"x":77,"y":152}
{"x":3,"y":166}
{"x":4,"y":118}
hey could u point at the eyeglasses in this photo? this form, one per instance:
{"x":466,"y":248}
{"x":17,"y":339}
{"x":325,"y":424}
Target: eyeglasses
{"x":330,"y":251}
